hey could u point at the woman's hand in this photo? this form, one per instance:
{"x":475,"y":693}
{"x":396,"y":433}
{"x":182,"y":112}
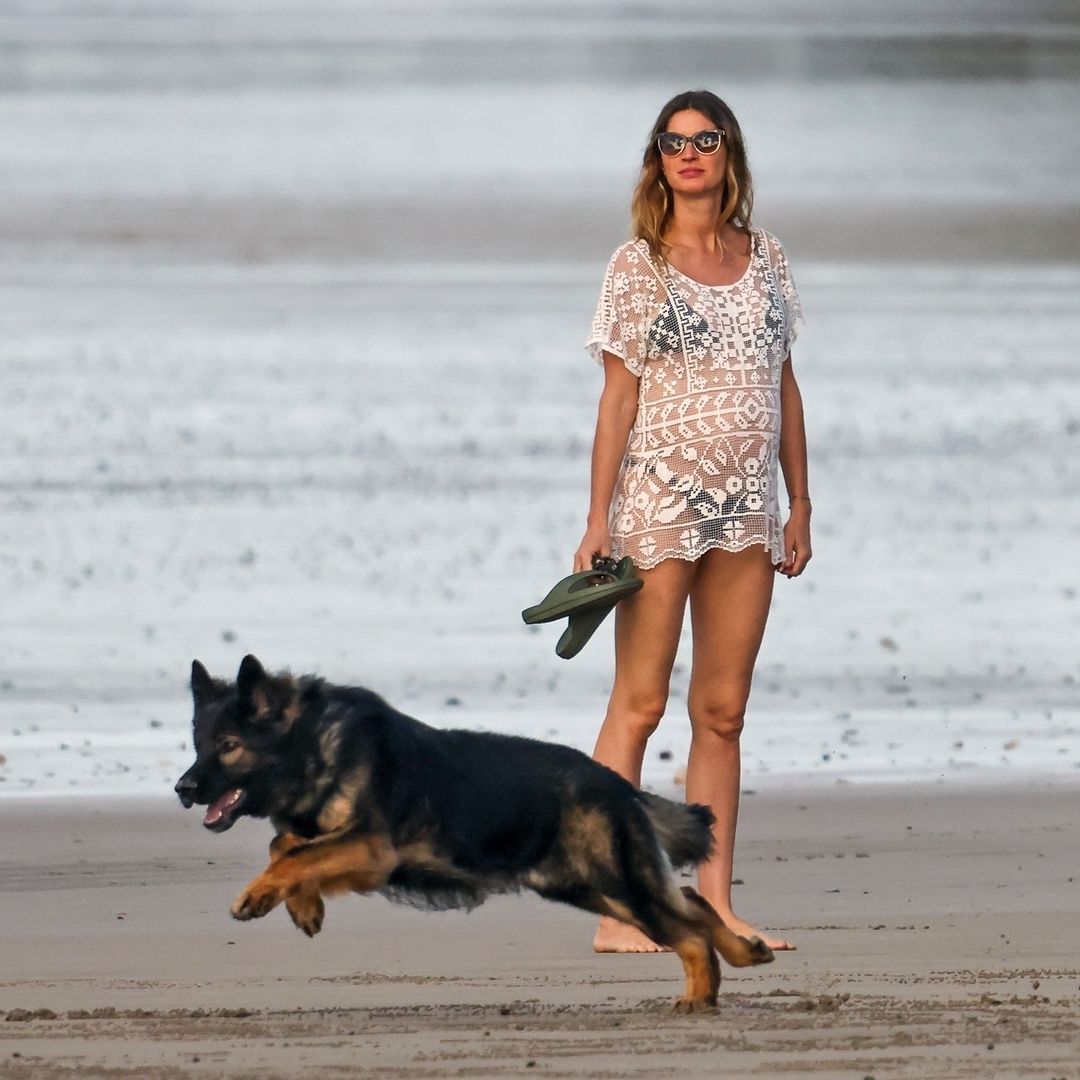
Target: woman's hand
{"x":596,"y":541}
{"x":796,"y":540}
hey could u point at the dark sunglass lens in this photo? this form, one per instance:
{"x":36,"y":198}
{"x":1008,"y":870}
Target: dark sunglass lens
{"x":671,"y":144}
{"x":707,"y":142}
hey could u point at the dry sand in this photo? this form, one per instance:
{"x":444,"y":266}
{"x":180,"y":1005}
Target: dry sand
{"x":937,"y":932}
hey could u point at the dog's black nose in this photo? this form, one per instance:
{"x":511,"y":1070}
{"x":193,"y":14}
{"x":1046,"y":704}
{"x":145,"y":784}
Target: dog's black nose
{"x":186,"y":788}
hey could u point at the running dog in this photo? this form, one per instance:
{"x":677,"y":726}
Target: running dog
{"x":366,"y":799}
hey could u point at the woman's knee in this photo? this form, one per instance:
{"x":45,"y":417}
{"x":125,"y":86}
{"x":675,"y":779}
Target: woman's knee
{"x":720,"y":718}
{"x":639,"y":713}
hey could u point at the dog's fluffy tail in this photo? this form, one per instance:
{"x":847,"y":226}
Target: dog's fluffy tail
{"x":683,"y":829}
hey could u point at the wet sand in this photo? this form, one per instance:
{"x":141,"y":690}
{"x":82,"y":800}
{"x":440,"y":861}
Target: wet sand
{"x":937,"y":931}
{"x":507,"y":231}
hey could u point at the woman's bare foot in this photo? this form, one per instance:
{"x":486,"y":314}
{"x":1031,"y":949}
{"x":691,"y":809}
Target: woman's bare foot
{"x":613,"y":936}
{"x":744,"y":929}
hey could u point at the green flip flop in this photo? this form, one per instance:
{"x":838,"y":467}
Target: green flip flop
{"x":587,"y":598}
{"x":603,"y":586}
{"x":579,"y":628}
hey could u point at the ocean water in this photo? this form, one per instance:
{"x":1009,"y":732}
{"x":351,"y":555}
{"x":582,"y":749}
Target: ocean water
{"x":292,"y":365}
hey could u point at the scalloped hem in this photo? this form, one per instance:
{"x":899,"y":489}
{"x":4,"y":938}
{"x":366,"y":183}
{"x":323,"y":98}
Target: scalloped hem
{"x":656,"y":559}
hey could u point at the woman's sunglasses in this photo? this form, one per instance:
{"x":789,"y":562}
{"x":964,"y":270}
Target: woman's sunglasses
{"x":671,"y":144}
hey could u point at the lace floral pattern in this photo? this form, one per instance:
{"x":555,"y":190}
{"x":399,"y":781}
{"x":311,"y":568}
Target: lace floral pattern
{"x":700,"y":470}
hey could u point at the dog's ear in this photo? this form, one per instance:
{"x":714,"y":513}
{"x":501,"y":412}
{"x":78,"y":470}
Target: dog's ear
{"x":250,"y":675}
{"x":203,"y":687}
{"x":268,"y":699}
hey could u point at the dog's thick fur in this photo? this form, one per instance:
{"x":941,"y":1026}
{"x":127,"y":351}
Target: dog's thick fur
{"x":366,"y":799}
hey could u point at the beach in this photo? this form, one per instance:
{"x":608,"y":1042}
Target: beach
{"x":293,"y":303}
{"x":936,"y":931}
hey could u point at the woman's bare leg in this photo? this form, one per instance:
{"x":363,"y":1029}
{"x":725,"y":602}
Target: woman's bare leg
{"x":729,"y":604}
{"x":647,"y":627}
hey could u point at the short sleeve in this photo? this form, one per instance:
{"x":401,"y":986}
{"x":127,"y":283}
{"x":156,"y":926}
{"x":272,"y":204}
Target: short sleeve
{"x":793,"y":314}
{"x":630,"y":291}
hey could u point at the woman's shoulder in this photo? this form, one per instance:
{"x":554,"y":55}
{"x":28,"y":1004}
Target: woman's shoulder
{"x":634,"y":260}
{"x":632,"y":252}
{"x":769,"y":242}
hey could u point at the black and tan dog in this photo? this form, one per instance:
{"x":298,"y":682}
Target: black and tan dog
{"x":366,"y":799}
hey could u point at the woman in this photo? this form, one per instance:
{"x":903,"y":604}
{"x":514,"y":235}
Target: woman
{"x":694,"y":327}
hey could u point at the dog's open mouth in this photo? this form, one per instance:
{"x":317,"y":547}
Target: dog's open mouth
{"x":221,"y":813}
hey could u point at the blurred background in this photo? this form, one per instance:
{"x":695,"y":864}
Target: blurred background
{"x":293,"y":299}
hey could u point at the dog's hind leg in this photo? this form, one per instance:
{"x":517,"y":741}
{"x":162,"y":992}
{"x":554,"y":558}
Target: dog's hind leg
{"x":688,"y":923}
{"x":702,"y":972}
{"x":736,"y":950}
{"x":673,"y":924}
{"x":349,"y":863}
{"x":665,"y":914}
{"x":686,"y":933}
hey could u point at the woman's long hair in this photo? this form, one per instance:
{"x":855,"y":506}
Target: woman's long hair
{"x":652,"y":205}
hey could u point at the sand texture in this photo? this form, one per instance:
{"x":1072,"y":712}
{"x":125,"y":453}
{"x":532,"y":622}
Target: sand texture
{"x":937,"y":938}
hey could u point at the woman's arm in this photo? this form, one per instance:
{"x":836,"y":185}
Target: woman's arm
{"x":793,"y":462}
{"x":614,"y":421}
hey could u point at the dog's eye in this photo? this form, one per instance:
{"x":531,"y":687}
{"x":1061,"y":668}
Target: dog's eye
{"x":227,"y":746}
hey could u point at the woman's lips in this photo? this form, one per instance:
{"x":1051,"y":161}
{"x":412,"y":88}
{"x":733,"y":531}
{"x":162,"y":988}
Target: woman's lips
{"x":691,"y":172}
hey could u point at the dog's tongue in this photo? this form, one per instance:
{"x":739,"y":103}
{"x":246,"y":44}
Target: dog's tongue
{"x":218,"y":809}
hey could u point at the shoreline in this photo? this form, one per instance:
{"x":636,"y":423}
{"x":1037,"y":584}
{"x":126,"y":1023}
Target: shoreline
{"x":283,"y":232}
{"x":971,"y":781}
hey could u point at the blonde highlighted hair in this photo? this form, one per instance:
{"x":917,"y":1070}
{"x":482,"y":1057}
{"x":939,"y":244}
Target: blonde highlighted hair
{"x":652,"y":205}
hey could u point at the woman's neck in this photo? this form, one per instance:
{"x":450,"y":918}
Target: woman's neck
{"x":693,"y":224}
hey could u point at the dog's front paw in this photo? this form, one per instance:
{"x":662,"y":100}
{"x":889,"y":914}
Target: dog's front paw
{"x":307,"y":911}
{"x":257,"y":900}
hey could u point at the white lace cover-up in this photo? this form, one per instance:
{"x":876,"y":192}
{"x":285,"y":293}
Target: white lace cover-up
{"x":700,"y":470}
